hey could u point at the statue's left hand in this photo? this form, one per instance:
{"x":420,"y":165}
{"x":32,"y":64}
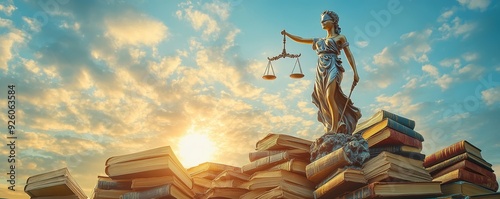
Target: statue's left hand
{"x":356,"y":79}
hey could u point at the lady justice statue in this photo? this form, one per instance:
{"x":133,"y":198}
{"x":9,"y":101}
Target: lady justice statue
{"x":335,"y":110}
{"x":327,"y":94}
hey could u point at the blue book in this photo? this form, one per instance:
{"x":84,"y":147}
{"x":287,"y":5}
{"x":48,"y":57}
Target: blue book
{"x":380,"y":116}
{"x":387,"y":122}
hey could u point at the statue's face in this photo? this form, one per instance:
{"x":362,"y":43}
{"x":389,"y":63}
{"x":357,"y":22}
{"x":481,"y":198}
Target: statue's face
{"x":328,"y":24}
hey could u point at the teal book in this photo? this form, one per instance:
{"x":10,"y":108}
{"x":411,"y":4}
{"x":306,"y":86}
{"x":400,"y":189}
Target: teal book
{"x":381,"y":115}
{"x":387,"y":122}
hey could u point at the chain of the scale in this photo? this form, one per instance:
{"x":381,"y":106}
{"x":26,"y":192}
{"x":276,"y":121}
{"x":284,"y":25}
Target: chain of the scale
{"x":268,"y":76}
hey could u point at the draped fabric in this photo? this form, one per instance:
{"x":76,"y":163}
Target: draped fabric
{"x":327,"y":94}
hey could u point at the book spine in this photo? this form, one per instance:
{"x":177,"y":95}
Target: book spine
{"x":159,"y":192}
{"x":361,"y":193}
{"x":444,"y":154}
{"x":329,"y":185}
{"x":392,"y":149}
{"x":403,"y":129}
{"x":265,"y":162}
{"x":108,"y":185}
{"x":401,"y":120}
{"x":412,"y":155}
{"x":462,"y":174}
{"x":440,"y":166}
{"x":397,"y":138}
{"x":466,"y":164}
{"x":252,"y":156}
{"x":326,"y":164}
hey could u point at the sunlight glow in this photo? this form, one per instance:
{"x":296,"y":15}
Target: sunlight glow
{"x":195,"y":148}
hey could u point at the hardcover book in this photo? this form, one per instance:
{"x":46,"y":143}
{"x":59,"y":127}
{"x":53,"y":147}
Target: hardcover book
{"x":282,"y":142}
{"x":164,"y":191}
{"x":451,"y":151}
{"x":106,"y":183}
{"x":395,"y":190}
{"x":342,"y":183}
{"x":464,"y":175}
{"x":464,"y":188}
{"x":268,"y":162}
{"x":369,"y":132}
{"x":381,"y":115}
{"x":468,"y":165}
{"x":299,"y":153}
{"x":140,"y":184}
{"x":453,"y":160}
{"x":53,"y":183}
{"x":322,"y":167}
{"x":392,"y":137}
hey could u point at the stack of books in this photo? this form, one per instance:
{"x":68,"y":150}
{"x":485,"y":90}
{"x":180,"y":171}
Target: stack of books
{"x":277,"y":168}
{"x":212,"y":180}
{"x":58,"y":184}
{"x":395,"y":160}
{"x":462,"y":170}
{"x":332,"y":176}
{"x":153,"y":173}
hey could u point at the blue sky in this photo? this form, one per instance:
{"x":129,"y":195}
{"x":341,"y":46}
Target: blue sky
{"x":101,"y":78}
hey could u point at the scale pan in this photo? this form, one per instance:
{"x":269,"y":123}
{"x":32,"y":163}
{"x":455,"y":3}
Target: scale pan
{"x":269,"y":77}
{"x":296,"y":75}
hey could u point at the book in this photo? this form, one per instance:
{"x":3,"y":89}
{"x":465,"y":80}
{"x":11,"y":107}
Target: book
{"x":395,"y":148}
{"x":466,"y":164}
{"x":253,"y":194}
{"x":300,"y":154}
{"x":145,"y":168}
{"x":395,"y":190}
{"x":464,"y":156}
{"x":279,"y":192}
{"x":107,"y":194}
{"x":202,"y":182}
{"x":451,"y":151}
{"x":53,"y":183}
{"x":412,"y":155}
{"x":154,"y":162}
{"x":219,"y":192}
{"x":319,"y":169}
{"x":464,"y":175}
{"x":228,"y":175}
{"x":381,"y":115}
{"x":464,"y":188}
{"x":211,"y":167}
{"x":340,"y":184}
{"x":292,"y":182}
{"x":140,"y":184}
{"x":282,"y":142}
{"x":391,"y":137}
{"x":157,"y":192}
{"x":391,"y":167}
{"x":227,"y":183}
{"x":267,"y":162}
{"x":105,"y":182}
{"x":294,"y":165}
{"x":57,"y":197}
{"x":388,"y":123}
{"x":487,"y":196}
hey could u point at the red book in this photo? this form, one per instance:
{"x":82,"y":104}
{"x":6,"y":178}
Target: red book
{"x":468,"y":165}
{"x":391,"y":137}
{"x":451,"y":151}
{"x":462,"y":174}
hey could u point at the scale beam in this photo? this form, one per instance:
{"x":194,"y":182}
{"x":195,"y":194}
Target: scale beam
{"x":269,"y":72}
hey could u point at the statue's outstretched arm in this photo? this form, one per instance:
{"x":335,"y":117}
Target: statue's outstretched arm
{"x":297,"y":38}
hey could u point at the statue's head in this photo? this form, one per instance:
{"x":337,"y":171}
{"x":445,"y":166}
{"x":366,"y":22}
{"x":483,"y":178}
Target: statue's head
{"x":331,"y":16}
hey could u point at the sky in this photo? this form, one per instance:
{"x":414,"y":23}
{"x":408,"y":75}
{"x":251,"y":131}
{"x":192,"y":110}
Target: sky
{"x":95,"y":79}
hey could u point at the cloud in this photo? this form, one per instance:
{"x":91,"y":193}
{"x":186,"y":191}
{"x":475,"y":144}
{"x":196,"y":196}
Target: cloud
{"x":8,"y":7}
{"x":475,"y":4}
{"x":8,"y":40}
{"x":33,"y":24}
{"x":491,"y":95}
{"x":417,"y":46}
{"x":446,"y":15}
{"x":444,"y":81}
{"x":399,"y":103}
{"x":455,"y":62}
{"x":456,"y":28}
{"x":219,"y":8}
{"x":199,"y":20}
{"x":132,"y":28}
{"x":470,"y":71}
{"x":470,"y":56}
{"x":362,"y":44}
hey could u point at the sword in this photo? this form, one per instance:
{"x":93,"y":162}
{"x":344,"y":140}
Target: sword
{"x":348,"y":98}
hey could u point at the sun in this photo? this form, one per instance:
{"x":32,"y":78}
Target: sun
{"x":195,"y":148}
